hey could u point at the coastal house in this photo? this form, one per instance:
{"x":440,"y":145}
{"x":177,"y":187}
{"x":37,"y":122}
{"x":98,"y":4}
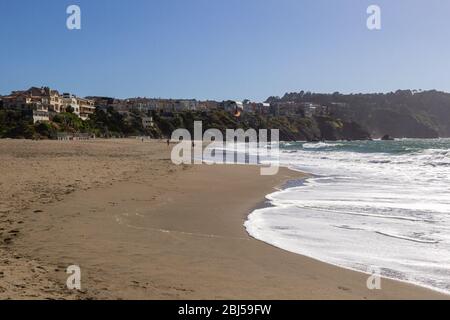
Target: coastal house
{"x":87,"y":108}
{"x":147,"y":122}
{"x":208,"y":105}
{"x":235,"y":107}
{"x":44,"y":102}
{"x":16,"y":100}
{"x":294,"y":108}
{"x":176,"y":105}
{"x":48,"y":97}
{"x":309,"y":109}
{"x":83,"y":108}
{"x":189,"y":104}
{"x":286,"y":108}
{"x":69,"y":100}
{"x":145,"y":105}
{"x":103,"y":103}
{"x":141,"y":104}
{"x":38,"y":111}
{"x":312,"y":109}
{"x":257,"y":108}
{"x":35,"y":102}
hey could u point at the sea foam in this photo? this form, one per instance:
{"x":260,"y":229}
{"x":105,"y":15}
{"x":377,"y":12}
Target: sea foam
{"x":382,"y":204}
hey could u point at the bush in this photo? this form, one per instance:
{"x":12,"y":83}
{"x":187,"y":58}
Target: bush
{"x":46,"y":130}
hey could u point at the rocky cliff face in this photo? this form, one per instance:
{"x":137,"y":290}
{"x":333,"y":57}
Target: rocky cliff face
{"x":398,"y":125}
{"x":291,"y":128}
{"x":336,"y":129}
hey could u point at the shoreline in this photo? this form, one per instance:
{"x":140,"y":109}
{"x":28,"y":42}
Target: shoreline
{"x":306,"y":176}
{"x":164,"y":232}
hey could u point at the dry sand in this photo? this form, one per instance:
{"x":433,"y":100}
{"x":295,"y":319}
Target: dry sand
{"x":142,"y":228}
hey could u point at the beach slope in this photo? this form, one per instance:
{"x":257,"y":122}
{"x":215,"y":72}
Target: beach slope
{"x":142,"y":228}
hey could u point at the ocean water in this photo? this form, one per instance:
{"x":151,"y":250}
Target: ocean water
{"x":369,"y":205}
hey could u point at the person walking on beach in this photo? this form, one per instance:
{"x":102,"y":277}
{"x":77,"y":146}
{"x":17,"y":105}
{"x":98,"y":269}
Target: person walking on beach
{"x":168,"y":142}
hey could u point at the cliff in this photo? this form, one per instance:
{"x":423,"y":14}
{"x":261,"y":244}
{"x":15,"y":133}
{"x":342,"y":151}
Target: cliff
{"x":404,"y":113}
{"x":292,"y":128}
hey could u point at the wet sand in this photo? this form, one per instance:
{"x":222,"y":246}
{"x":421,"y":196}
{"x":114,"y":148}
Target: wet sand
{"x":142,"y":228}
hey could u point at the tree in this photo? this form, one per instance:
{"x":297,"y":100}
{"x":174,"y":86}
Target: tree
{"x":70,"y":109}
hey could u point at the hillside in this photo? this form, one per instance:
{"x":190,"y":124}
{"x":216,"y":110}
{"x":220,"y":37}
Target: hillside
{"x":292,"y":128}
{"x":404,"y":113}
{"x":13,"y":124}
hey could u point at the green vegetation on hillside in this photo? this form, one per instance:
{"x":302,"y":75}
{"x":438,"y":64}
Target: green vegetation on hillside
{"x":13,"y":124}
{"x":404,"y":113}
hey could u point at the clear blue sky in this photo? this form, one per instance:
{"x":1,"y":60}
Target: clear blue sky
{"x":224,"y":49}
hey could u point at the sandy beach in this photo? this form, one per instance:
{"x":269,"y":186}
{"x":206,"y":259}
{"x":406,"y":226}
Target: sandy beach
{"x":140,"y":227}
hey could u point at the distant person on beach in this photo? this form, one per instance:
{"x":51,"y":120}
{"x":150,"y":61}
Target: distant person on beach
{"x":168,"y":142}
